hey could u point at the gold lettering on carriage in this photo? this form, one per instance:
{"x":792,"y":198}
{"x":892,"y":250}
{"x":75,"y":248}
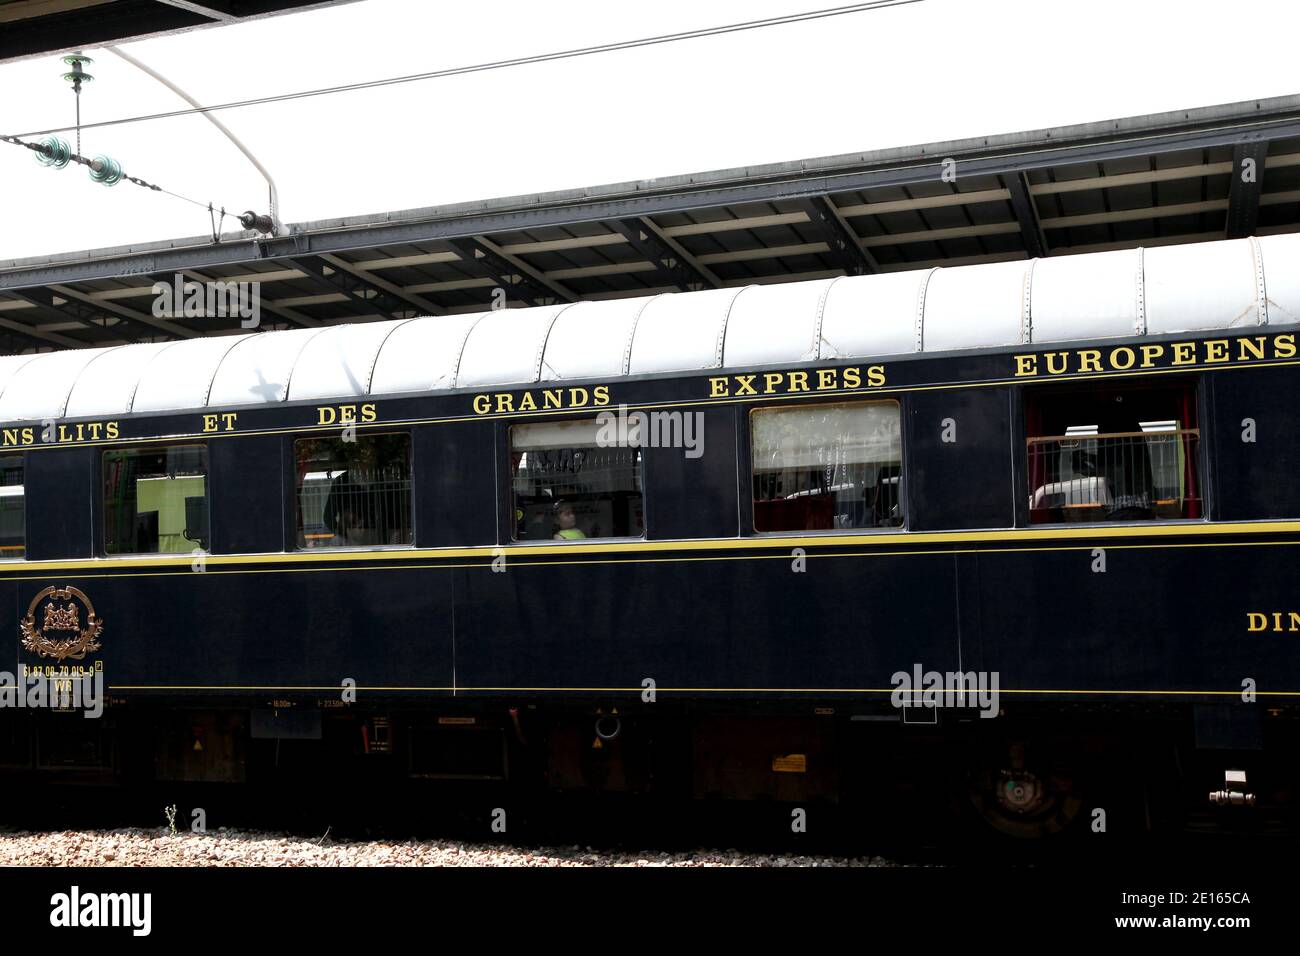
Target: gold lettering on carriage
{"x":1278,"y":622}
{"x":541,"y":400}
{"x":346,"y":414}
{"x":846,"y":379}
{"x":1157,"y":355}
{"x":68,"y":434}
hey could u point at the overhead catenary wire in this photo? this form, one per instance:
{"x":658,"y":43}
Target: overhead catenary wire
{"x":499,"y":64}
{"x":41,"y":149}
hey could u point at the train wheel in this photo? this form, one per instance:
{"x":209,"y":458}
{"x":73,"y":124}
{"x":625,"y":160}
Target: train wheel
{"x":1025,"y":792}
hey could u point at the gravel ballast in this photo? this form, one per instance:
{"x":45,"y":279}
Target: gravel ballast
{"x":140,"y":847}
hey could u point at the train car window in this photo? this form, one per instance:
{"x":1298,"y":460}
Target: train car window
{"x":13,"y":513}
{"x":827,"y":467}
{"x":354,"y":494}
{"x":156,"y":500}
{"x":569,"y":486}
{"x":1113,"y":452}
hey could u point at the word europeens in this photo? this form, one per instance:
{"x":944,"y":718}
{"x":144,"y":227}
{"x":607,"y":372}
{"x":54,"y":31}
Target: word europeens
{"x":1157,"y":355}
{"x":35,"y":689}
{"x":946,"y":689}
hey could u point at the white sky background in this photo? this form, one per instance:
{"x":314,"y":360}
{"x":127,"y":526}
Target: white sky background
{"x":937,"y":70}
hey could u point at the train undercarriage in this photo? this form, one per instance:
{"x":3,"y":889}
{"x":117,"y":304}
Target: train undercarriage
{"x":1037,"y":775}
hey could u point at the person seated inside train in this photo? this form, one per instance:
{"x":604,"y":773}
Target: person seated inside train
{"x":566,"y":523}
{"x":358,"y":514}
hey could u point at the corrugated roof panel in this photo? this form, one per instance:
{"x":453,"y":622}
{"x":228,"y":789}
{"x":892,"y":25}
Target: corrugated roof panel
{"x":338,"y":362}
{"x":421,"y":354}
{"x":40,"y":388}
{"x":107,"y":385}
{"x":1282,"y":277}
{"x":1086,"y":296}
{"x":971,"y":307}
{"x":182,"y":378}
{"x":506,"y":346}
{"x":591,"y":339}
{"x":257,"y":370}
{"x":682,"y":331}
{"x":871,"y":315}
{"x":774,"y":324}
{"x":1208,"y":285}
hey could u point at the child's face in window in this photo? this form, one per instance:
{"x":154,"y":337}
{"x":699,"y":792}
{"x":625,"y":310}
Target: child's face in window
{"x":566,"y":519}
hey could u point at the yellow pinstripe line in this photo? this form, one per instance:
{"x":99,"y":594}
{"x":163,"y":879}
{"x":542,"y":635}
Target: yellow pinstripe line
{"x":684,"y":690}
{"x":518,"y":554}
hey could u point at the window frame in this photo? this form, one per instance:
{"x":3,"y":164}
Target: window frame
{"x":296,"y":503}
{"x":1195,"y":385}
{"x":746,"y":469}
{"x":22,"y":459}
{"x":150,"y":446}
{"x":508,"y":485}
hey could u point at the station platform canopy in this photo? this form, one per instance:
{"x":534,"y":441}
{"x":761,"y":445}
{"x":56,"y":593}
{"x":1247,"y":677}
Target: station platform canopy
{"x":31,"y":28}
{"x":1212,"y":173}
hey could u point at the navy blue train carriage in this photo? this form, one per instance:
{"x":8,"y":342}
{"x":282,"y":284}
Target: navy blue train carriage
{"x":710,"y":543}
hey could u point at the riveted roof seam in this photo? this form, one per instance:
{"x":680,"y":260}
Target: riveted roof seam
{"x":541,"y":347}
{"x":631,"y":335}
{"x":63,"y":407}
{"x":816,"y":352}
{"x":374,"y":362}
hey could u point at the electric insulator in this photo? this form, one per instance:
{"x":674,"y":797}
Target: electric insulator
{"x":251,"y":220}
{"x":106,"y":170}
{"x":78,"y":75}
{"x":54,"y":152}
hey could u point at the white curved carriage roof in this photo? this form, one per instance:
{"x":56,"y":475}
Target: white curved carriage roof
{"x":1235,"y":284}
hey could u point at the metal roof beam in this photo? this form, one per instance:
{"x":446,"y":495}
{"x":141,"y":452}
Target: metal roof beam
{"x":212,"y":9}
{"x":844,"y":244}
{"x":39,"y":337}
{"x":1022,"y":203}
{"x":714,"y":226}
{"x":924,"y":202}
{"x":273,"y":307}
{"x":152,"y":326}
{"x":1244,"y":188}
{"x":1136,"y":215}
{"x":563,"y":245}
{"x":326,"y":273}
{"x":383,"y":285}
{"x":402,"y":262}
{"x":487,"y":259}
{"x":935,"y":235}
{"x":60,"y":309}
{"x":771,"y":252}
{"x":675,"y":266}
{"x":1146,"y":177}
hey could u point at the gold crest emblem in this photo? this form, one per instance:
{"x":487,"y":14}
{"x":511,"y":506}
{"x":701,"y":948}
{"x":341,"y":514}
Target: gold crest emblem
{"x":61,"y":614}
